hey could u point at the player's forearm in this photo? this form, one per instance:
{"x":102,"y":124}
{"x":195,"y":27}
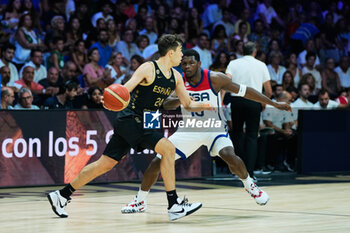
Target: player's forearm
{"x":194,"y":106}
{"x":254,"y":95}
{"x":171,"y":103}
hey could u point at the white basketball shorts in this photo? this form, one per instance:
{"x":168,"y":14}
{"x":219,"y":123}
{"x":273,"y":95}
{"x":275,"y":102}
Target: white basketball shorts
{"x":186,"y":143}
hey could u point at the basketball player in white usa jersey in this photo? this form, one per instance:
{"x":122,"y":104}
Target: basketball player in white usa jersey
{"x":204,"y":86}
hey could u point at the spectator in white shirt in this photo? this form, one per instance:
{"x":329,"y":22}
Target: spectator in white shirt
{"x":309,"y":47}
{"x":275,"y":69}
{"x":36,"y":59}
{"x":324,"y":102}
{"x":343,"y":71}
{"x":309,"y":68}
{"x":302,"y":102}
{"x":150,"y":30}
{"x":7,"y":54}
{"x":105,"y":13}
{"x":267,"y":13}
{"x":204,"y":53}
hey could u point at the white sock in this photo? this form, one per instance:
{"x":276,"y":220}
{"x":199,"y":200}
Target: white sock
{"x":247,"y":182}
{"x":142,"y":195}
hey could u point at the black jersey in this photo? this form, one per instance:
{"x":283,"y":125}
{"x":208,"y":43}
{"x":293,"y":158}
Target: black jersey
{"x":150,"y":97}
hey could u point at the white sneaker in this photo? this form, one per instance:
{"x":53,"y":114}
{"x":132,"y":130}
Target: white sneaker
{"x":135,"y":207}
{"x":183,"y":209}
{"x":258,"y":194}
{"x":58,"y":203}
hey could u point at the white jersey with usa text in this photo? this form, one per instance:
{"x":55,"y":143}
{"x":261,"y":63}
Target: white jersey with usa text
{"x":210,"y":121}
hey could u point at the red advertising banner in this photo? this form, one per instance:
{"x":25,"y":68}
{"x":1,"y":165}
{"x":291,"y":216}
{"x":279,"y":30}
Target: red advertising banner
{"x":51,"y":147}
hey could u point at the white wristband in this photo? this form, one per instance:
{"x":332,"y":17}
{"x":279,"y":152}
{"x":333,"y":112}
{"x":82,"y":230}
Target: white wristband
{"x":242,"y":90}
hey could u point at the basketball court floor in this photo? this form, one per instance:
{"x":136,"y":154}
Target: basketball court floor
{"x":304,"y":204}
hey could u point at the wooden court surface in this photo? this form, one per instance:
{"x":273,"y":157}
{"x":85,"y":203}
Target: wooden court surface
{"x":321,"y":207}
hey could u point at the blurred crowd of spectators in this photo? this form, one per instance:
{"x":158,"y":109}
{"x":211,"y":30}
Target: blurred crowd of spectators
{"x":62,"y":53}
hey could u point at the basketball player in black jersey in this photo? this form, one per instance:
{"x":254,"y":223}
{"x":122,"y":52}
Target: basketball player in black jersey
{"x":149,"y":86}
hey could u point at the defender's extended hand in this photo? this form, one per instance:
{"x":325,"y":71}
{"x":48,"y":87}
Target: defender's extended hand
{"x":283,"y":106}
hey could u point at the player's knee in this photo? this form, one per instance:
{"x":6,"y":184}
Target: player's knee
{"x":167,"y":149}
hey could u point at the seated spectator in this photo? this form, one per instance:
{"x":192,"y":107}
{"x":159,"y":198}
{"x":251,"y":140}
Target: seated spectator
{"x":275,"y":69}
{"x":51,"y":81}
{"x":105,"y":13}
{"x":36,"y":60}
{"x":219,"y":40}
{"x":103,"y":47}
{"x":64,"y":99}
{"x":242,"y":32}
{"x":115,"y":66}
{"x":213,"y":13}
{"x":161,"y":17}
{"x":287,"y":80}
{"x":56,"y":58}
{"x":57,"y":30}
{"x":92,"y":37}
{"x":26,"y":39}
{"x":309,"y":68}
{"x":221,"y":62}
{"x":150,"y":30}
{"x":343,"y":71}
{"x":309,"y":47}
{"x":344,"y":97}
{"x":324,"y":102}
{"x":259,"y":36}
{"x":283,"y":139}
{"x":135,"y":62}
{"x":74,"y":32}
{"x":93,"y":99}
{"x":244,"y":18}
{"x":142,"y":42}
{"x":267,"y":13}
{"x":238,"y":48}
{"x":204,"y":53}
{"x":113,"y":33}
{"x":27,"y":81}
{"x":330,"y":79}
{"x":94,"y":74}
{"x":292,"y":66}
{"x":310,"y":80}
{"x":79,"y":56}
{"x":277,"y":89}
{"x":12,"y":14}
{"x":5,"y":79}
{"x":25,"y":100}
{"x":193,"y":24}
{"x":7,"y":98}
{"x":7,"y":54}
{"x":302,"y":102}
{"x":127,"y":47}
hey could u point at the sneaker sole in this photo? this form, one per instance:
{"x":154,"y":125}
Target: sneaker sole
{"x":133,"y":212}
{"x":265,"y":202}
{"x":54,"y":209}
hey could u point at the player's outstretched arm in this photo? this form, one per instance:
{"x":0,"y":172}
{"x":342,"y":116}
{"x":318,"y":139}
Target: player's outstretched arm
{"x":185,"y":99}
{"x":143,"y":74}
{"x":172,"y":102}
{"x":222,"y":82}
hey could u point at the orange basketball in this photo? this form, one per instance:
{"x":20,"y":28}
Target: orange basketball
{"x":116,"y":97}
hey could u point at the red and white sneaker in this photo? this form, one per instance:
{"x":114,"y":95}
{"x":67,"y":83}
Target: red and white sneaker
{"x":258,"y":194}
{"x":135,"y":206}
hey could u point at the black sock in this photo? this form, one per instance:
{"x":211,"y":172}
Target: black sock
{"x":172,"y":198}
{"x":67,"y":191}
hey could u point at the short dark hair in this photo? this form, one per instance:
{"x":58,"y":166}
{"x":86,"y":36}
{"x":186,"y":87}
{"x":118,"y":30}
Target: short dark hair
{"x":310,"y":54}
{"x":57,"y":38}
{"x":249,"y":48}
{"x":322,"y":92}
{"x":138,"y":58}
{"x":168,"y":42}
{"x":7,"y":46}
{"x":301,"y":85}
{"x":33,"y":51}
{"x":70,"y":85}
{"x":192,"y":52}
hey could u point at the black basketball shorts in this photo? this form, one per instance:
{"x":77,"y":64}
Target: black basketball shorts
{"x":129,"y":133}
